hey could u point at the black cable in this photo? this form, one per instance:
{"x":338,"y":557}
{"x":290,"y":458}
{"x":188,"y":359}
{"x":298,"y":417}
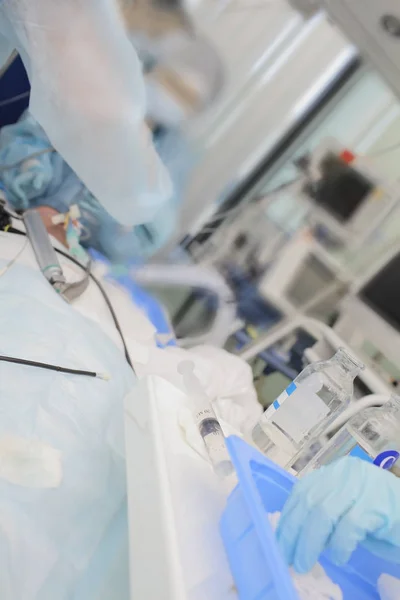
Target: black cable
{"x":101,"y":289}
{"x":106,"y":300}
{"x":40,"y":365}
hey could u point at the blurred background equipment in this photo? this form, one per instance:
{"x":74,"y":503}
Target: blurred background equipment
{"x":178,"y":57}
{"x":375,"y":29}
{"x":280,"y":241}
{"x":306,"y":7}
{"x":291,"y":204}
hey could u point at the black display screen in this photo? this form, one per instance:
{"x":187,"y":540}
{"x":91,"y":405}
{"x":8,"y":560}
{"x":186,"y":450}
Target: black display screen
{"x":341,"y":189}
{"x":382,"y":293}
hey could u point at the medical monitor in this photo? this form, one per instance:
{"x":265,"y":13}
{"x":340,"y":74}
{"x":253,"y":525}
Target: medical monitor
{"x":341,"y":190}
{"x":382,"y":293}
{"x":370,"y":318}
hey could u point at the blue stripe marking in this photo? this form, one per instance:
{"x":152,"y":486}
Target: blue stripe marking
{"x":291,"y":388}
{"x":276,"y":405}
{"x":358,"y":452}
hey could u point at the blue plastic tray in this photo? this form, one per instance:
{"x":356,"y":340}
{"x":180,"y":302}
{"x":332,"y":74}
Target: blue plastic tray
{"x":257,"y":566}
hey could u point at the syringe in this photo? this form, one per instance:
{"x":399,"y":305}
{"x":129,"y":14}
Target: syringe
{"x":206,"y":421}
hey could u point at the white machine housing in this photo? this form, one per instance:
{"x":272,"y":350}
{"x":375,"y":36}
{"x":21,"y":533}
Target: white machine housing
{"x":300,"y":277}
{"x":374,"y":27}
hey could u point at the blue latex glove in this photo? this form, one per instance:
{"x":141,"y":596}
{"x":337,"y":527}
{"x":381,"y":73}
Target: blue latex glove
{"x":336,"y":508}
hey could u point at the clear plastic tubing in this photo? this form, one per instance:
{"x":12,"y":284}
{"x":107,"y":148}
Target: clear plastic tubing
{"x":206,"y":421}
{"x":372,"y":435}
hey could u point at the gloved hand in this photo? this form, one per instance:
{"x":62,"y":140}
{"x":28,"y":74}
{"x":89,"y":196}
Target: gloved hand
{"x":336,"y":508}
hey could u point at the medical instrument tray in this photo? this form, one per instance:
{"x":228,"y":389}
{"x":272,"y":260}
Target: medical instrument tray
{"x":257,"y":566}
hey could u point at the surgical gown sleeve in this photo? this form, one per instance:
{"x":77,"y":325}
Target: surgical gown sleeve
{"x":142,"y":242}
{"x":88,"y":95}
{"x":6,"y":49}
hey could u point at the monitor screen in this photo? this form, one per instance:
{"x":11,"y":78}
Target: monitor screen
{"x":341,"y":189}
{"x":382,"y":293}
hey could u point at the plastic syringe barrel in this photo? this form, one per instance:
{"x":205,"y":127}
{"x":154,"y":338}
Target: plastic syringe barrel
{"x":45,"y":254}
{"x":206,"y":421}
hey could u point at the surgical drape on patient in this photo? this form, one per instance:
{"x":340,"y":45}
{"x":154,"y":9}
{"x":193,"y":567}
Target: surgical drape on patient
{"x":62,"y":465}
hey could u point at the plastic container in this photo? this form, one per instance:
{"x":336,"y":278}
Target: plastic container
{"x":306,"y":408}
{"x":372,"y":435}
{"x":257,"y":566}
